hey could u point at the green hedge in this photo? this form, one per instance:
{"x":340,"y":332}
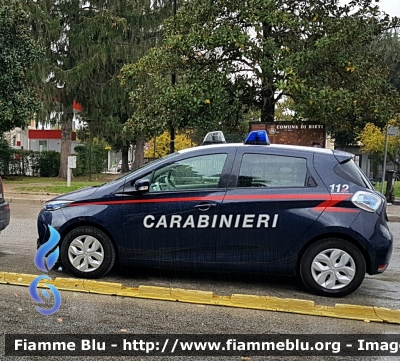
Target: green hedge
{"x":47,"y":163}
{"x":98,"y":159}
{"x":6,"y":154}
{"x":28,"y":162}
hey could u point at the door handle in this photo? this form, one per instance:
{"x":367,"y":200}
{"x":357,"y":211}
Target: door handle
{"x":204,"y":206}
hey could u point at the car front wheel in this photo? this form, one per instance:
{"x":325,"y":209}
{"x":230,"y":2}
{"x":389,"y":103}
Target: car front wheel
{"x":87,"y":252}
{"x":332,"y":267}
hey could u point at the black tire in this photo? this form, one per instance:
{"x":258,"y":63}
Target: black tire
{"x":99,"y":257}
{"x":341,"y":274}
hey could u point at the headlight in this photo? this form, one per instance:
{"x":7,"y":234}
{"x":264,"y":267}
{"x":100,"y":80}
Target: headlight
{"x":53,"y":205}
{"x":367,"y":201}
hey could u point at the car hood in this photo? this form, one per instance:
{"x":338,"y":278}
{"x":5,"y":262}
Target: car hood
{"x":77,"y":195}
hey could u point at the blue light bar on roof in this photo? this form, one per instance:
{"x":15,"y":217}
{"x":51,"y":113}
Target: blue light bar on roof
{"x":257,"y":137}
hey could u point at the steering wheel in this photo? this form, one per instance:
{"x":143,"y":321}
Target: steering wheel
{"x":156,"y":187}
{"x":258,"y":185}
{"x":169,"y":179}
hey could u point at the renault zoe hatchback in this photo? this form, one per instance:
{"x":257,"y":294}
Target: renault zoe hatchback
{"x":252,"y":207}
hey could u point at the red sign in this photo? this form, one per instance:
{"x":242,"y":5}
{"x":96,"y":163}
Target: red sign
{"x":47,"y":134}
{"x":76,"y":106}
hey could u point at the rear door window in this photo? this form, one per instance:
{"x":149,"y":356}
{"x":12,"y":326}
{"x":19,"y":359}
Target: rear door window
{"x":267,"y":170}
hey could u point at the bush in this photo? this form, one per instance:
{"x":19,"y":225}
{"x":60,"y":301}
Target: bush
{"x":49,"y":163}
{"x":22,"y":162}
{"x":86,"y":163}
{"x":5,"y":156}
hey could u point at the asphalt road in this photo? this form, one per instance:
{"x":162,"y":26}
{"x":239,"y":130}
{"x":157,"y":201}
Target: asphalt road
{"x":91,"y":314}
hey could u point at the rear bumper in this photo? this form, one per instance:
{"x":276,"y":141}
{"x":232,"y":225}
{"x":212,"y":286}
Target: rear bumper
{"x":375,"y":236}
{"x":4,"y":215}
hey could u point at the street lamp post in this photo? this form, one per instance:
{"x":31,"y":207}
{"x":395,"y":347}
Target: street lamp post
{"x":390,"y":131}
{"x":173,"y":82}
{"x":90,"y":149}
{"x":384,"y":159}
{"x":90,"y":154}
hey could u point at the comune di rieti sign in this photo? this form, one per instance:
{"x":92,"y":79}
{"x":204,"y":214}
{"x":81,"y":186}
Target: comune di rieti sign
{"x":306,"y":133}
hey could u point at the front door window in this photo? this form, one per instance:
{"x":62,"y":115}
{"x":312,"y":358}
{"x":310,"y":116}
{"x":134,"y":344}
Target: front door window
{"x":201,"y":172}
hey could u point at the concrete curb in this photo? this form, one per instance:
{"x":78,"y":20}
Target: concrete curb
{"x":266,"y":303}
{"x":32,"y":198}
{"x":26,"y":200}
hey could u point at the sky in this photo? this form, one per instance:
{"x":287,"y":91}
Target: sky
{"x":392,"y":7}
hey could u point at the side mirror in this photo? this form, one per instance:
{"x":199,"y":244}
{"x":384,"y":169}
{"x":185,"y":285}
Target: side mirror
{"x":142,"y":185}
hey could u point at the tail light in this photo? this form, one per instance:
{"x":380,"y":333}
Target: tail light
{"x":367,"y":201}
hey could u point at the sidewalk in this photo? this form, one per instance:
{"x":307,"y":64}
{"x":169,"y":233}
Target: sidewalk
{"x":11,"y":196}
{"x":393,"y":212}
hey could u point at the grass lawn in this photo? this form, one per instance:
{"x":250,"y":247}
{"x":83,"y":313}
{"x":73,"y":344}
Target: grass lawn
{"x":54,"y":185}
{"x":378,"y":187}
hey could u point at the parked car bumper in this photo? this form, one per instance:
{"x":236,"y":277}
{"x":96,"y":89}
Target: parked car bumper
{"x":4,"y":215}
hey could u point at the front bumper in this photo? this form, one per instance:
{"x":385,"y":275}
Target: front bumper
{"x":46,"y":218}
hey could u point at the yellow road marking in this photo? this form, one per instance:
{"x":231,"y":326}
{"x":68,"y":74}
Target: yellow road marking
{"x":267,"y":303}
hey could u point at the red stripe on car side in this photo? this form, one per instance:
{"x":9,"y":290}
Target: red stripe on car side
{"x":341,"y":209}
{"x":335,"y":199}
{"x":210,"y":198}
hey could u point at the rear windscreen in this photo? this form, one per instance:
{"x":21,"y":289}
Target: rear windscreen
{"x":352,"y":172}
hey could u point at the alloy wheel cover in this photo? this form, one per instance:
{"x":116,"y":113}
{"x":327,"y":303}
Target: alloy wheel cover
{"x":86,"y":253}
{"x":333,"y":269}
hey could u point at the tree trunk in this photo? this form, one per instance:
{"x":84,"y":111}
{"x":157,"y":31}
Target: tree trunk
{"x":268,"y":103}
{"x":268,"y":89}
{"x":139,"y":154}
{"x":375,"y":168}
{"x":125,"y":165}
{"x":66,"y":141}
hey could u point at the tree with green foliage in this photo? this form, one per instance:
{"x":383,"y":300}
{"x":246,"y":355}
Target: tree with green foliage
{"x":386,"y":49}
{"x":284,"y":110}
{"x":18,"y":54}
{"x":358,"y":90}
{"x":372,"y":139}
{"x":388,"y":46}
{"x":87,"y":44}
{"x":233,"y":55}
{"x":159,"y":147}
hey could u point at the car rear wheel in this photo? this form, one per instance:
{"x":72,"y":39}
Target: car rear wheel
{"x":87,"y":252}
{"x":332,"y":267}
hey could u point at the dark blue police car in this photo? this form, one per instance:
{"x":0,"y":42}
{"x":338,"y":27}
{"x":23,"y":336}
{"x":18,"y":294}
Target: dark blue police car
{"x":253,"y":207}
